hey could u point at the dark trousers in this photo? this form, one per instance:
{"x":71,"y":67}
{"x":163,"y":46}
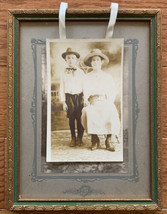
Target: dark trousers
{"x":80,"y":129}
{"x":75,"y":105}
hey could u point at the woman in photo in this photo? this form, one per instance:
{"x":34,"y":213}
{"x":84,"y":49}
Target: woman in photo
{"x":99,"y":116}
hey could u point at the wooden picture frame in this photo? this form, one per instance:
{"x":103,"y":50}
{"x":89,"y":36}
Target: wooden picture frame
{"x":82,"y":197}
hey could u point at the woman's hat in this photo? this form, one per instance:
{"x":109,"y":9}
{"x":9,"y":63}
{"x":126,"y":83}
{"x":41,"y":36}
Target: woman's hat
{"x":70,"y":51}
{"x":95,"y":52}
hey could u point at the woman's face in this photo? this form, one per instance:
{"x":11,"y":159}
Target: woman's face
{"x":96,"y":62}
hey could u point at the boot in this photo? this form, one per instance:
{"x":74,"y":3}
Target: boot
{"x":95,"y":142}
{"x":109,"y":145}
{"x":73,"y":142}
{"x":79,"y":141}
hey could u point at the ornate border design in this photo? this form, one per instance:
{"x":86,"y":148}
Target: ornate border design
{"x":159,"y":105}
{"x":83,"y":191}
{"x":135,"y":175}
{"x":85,"y":207}
{"x":10,"y":133}
{"x":12,"y":106}
{"x":83,"y":12}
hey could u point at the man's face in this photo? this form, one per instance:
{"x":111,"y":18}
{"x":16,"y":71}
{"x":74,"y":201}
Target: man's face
{"x":71,"y":60}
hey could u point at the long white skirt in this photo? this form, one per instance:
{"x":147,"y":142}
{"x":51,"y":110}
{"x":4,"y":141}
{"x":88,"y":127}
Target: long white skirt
{"x":101,"y":118}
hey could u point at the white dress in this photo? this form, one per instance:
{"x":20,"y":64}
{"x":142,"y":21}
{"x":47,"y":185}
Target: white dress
{"x":101,"y":115}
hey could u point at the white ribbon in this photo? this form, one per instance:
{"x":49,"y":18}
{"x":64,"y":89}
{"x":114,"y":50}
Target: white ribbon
{"x":62,"y":14}
{"x":111,"y":24}
{"x":113,"y":17}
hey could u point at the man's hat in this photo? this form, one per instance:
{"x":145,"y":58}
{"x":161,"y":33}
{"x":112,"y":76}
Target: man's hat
{"x":95,"y":52}
{"x":70,"y":51}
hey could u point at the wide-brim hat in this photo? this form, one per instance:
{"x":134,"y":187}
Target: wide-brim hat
{"x":70,"y":51}
{"x":95,"y":52}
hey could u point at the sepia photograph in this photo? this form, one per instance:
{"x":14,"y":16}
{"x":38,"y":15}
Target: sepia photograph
{"x":84,"y":100}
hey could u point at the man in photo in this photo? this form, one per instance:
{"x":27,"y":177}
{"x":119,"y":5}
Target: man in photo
{"x":71,"y":94}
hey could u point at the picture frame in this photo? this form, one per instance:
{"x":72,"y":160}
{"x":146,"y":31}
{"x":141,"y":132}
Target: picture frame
{"x":26,"y":167}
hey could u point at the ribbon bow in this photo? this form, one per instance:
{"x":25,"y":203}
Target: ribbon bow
{"x":69,"y":70}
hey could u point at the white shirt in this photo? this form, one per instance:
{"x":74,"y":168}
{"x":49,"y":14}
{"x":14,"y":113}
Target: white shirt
{"x":71,"y":82}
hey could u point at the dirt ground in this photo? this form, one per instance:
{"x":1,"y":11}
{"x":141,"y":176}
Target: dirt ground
{"x":62,"y":152}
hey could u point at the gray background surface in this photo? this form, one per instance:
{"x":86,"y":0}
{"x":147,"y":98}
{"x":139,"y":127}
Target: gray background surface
{"x":72,"y":187}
